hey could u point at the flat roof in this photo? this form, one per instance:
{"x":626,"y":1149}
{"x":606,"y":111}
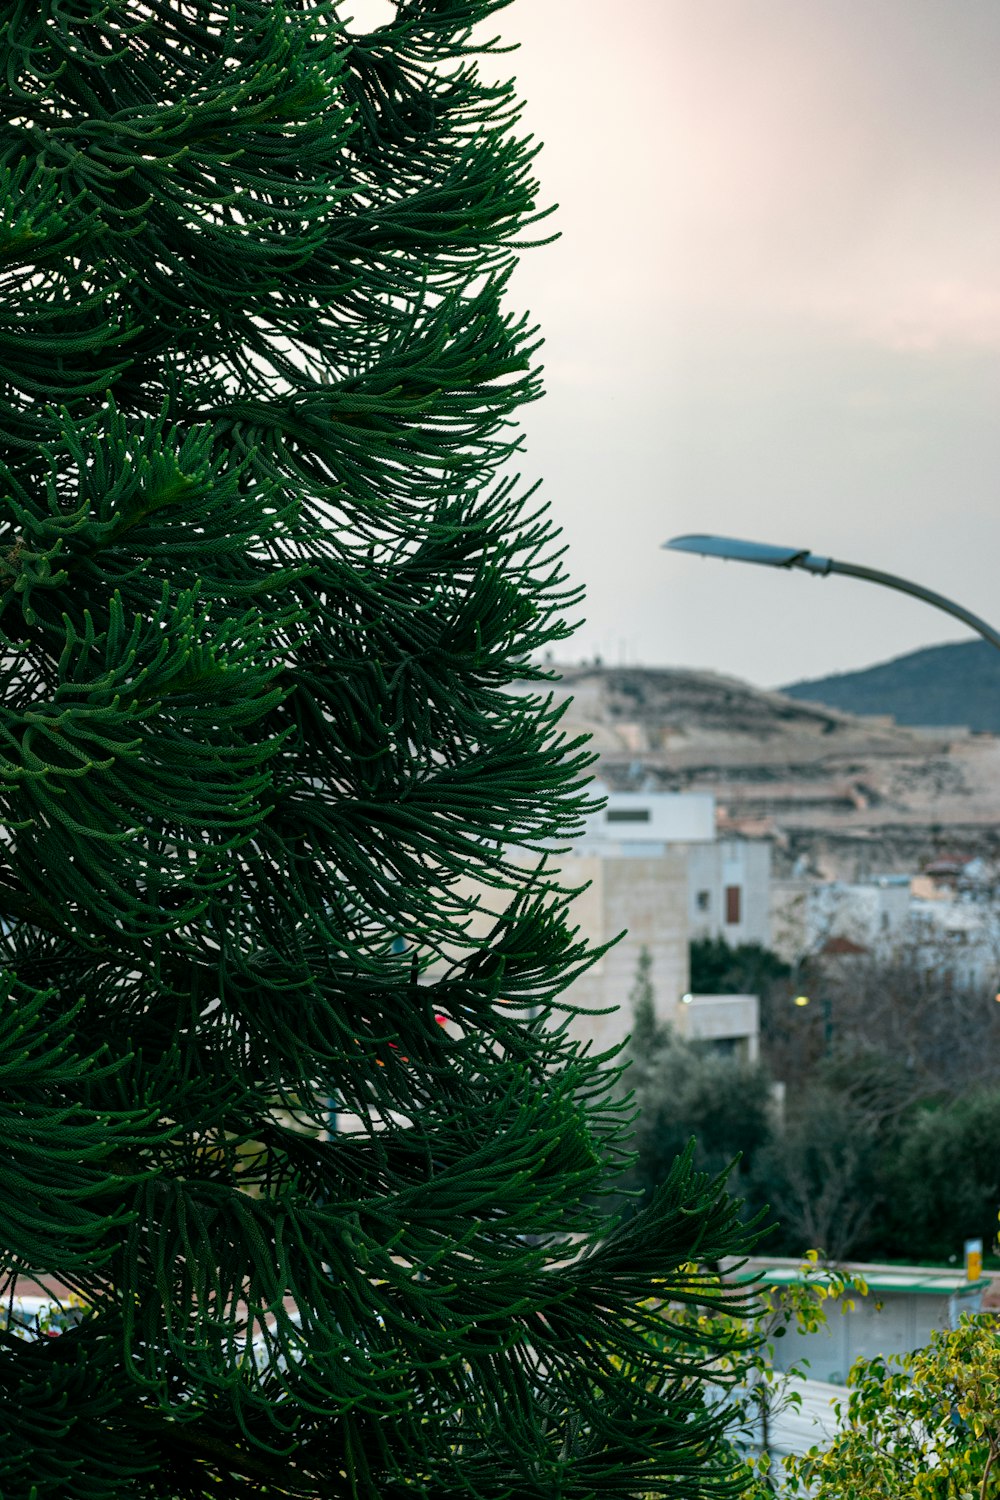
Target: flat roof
{"x":917,"y":1281}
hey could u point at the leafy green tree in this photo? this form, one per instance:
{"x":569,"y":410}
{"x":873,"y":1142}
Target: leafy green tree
{"x":722,"y":1102}
{"x":924,"y":1425}
{"x":648,"y":1033}
{"x":919,"y":1426}
{"x":265,"y":583}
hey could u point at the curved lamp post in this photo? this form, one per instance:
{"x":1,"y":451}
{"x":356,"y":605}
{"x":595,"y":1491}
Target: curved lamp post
{"x":734,"y":550}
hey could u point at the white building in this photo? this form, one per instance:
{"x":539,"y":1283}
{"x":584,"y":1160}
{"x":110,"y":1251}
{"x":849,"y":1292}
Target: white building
{"x":646,"y":824}
{"x":641,"y":901}
{"x":728,"y":879}
{"x":949,"y":927}
{"x":650,"y":873}
{"x":657,"y":873}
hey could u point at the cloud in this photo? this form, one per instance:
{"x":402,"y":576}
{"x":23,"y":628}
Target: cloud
{"x":834,"y":165}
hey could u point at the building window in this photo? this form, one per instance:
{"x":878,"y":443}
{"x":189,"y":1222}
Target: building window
{"x":733,"y":894}
{"x":702,"y":900}
{"x":627,"y":815}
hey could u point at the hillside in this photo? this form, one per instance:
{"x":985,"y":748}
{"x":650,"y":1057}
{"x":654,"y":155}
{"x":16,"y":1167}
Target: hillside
{"x":943,"y":685}
{"x":843,"y":795}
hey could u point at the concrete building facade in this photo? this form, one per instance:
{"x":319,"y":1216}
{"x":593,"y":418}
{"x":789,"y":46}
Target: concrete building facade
{"x":642,"y":901}
{"x":730,"y":1023}
{"x":657,"y":874}
{"x":729,"y":891}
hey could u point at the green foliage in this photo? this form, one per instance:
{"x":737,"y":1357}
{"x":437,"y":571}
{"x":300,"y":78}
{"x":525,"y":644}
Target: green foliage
{"x":684,"y":1090}
{"x":647,"y":1033}
{"x":746,"y":969}
{"x":942,"y":1177}
{"x":920,"y":1426}
{"x":722,"y":1102}
{"x":266,"y":579}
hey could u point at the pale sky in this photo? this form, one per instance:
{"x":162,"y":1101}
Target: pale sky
{"x":774,"y":312}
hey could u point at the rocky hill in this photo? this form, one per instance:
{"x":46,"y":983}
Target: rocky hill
{"x":841,"y":794}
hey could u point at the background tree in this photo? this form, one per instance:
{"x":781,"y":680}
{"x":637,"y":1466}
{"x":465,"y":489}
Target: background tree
{"x":265,"y":581}
{"x":686,"y":1090}
{"x":818,"y":1175}
{"x":882,"y":1147}
{"x":922,"y":1424}
{"x":938,"y":1029}
{"x":941,"y":1178}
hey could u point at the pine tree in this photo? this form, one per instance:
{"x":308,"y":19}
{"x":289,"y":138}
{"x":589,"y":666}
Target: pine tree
{"x":647,"y":1033}
{"x":267,"y":578}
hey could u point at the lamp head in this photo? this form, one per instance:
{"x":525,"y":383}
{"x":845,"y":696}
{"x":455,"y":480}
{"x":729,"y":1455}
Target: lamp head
{"x":734,"y":549}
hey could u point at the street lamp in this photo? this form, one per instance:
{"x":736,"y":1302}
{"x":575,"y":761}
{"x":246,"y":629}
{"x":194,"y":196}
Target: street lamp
{"x":827,"y":1007}
{"x":734,"y":550}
